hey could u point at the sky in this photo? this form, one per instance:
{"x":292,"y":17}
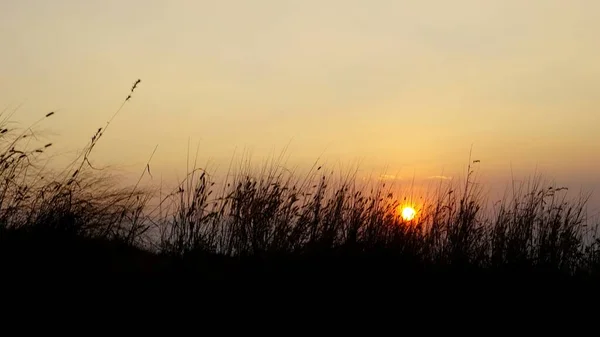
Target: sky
{"x":405,"y":88}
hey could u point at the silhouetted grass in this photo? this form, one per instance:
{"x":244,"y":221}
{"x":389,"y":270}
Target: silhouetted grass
{"x":272,"y":214}
{"x":274,"y":223}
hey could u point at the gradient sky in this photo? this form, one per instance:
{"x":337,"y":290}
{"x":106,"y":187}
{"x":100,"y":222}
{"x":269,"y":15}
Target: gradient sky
{"x":403,"y":85}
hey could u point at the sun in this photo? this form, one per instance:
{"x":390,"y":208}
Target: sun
{"x":408,"y":213}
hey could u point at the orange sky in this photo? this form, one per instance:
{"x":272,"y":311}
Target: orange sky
{"x":406,"y":86}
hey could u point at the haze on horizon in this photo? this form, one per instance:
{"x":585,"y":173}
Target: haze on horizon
{"x":405,"y":86}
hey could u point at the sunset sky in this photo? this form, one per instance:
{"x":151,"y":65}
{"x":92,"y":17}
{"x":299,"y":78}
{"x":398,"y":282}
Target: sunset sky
{"x":401,"y":86}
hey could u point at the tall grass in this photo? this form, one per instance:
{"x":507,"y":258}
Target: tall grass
{"x":76,"y":202}
{"x":273,"y":212}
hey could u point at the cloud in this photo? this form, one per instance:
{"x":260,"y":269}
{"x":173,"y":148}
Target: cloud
{"x":440,"y":177}
{"x":389,"y":177}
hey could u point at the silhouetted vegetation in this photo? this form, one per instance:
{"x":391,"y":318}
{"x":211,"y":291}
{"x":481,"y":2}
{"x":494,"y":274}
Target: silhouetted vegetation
{"x":276,"y":224}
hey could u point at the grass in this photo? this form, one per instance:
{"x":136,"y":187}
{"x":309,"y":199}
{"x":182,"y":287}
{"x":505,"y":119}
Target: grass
{"x":274,"y":224}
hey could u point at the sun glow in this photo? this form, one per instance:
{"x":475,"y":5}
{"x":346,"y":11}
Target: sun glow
{"x":408,"y":213}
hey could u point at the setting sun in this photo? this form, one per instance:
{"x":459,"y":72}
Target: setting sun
{"x":408,"y":213}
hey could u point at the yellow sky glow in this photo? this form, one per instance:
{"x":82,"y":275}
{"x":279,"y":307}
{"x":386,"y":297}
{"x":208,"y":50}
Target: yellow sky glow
{"x":406,"y":86}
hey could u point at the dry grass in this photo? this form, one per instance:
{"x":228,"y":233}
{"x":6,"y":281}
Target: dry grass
{"x":273,"y":214}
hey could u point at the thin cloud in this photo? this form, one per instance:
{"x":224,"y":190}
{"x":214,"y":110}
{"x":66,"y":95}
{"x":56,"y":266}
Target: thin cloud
{"x":389,"y":177}
{"x":440,"y":177}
